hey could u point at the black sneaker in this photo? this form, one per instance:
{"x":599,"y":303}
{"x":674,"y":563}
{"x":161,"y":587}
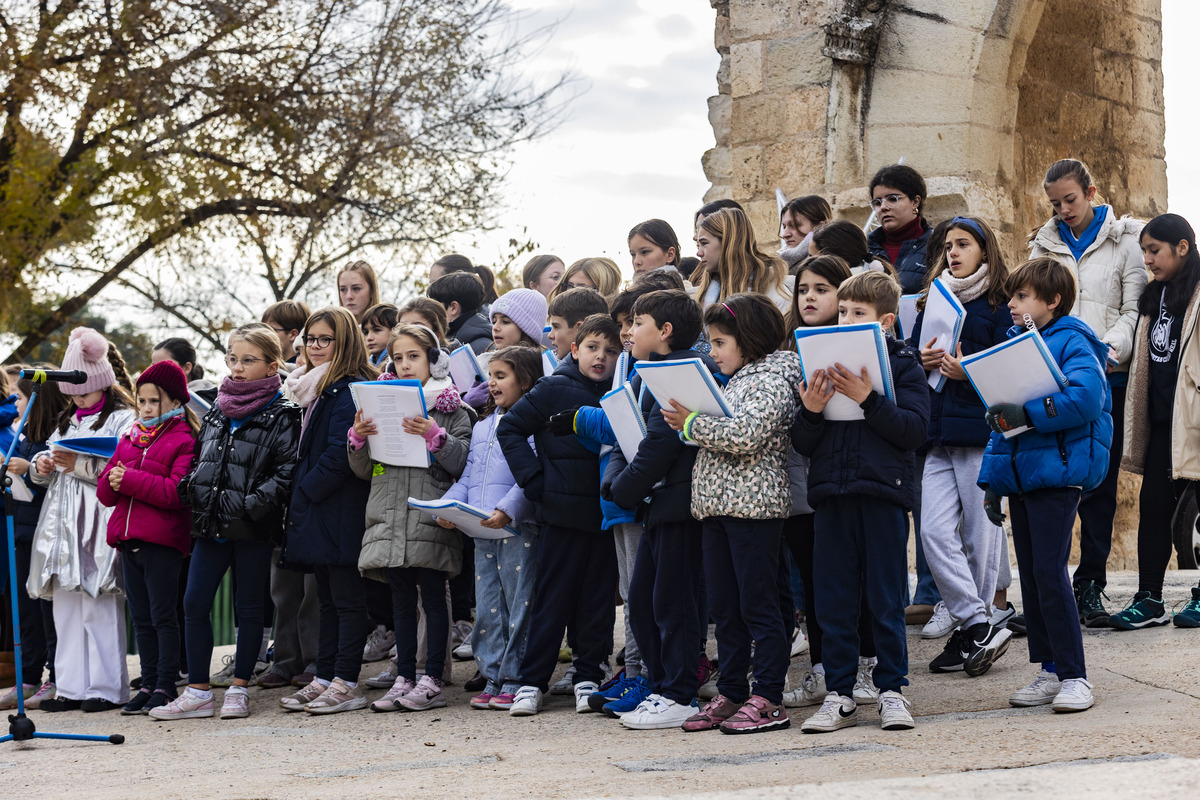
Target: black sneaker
{"x":1016,"y":625}
{"x":476,"y":683}
{"x":60,"y":704}
{"x":985,"y":644}
{"x":94,"y":704}
{"x":158,"y":699}
{"x":136,"y":703}
{"x":953,"y":656}
{"x":1088,"y":598}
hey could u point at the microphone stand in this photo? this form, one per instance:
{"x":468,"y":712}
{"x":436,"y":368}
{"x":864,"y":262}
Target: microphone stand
{"x":20,"y":727}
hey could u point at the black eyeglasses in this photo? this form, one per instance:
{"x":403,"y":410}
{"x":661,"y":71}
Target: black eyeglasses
{"x":319,"y":342}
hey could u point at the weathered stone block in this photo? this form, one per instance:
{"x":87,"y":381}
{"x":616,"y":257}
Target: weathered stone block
{"x":919,"y":43}
{"x":805,"y":110}
{"x":900,"y":97}
{"x":967,"y":13}
{"x":1148,"y":85}
{"x":719,"y":108}
{"x":757,"y":118}
{"x":1120,"y":34}
{"x":930,"y":149}
{"x":797,"y":165}
{"x":767,"y":19}
{"x":796,"y":62}
{"x":747,"y":171}
{"x":746,"y":68}
{"x":718,"y":165}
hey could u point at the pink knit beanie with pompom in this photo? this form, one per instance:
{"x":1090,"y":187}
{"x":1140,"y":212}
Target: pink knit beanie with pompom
{"x":87,"y":350}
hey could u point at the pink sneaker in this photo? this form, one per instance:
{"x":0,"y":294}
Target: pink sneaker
{"x":502,"y":702}
{"x":400,"y":687}
{"x":755,"y":716}
{"x":714,"y":712}
{"x":186,"y":706}
{"x":483,"y":700}
{"x":425,"y":695}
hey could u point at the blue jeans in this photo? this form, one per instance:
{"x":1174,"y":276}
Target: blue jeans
{"x":152,"y":590}
{"x":405,"y":582}
{"x":210,"y":559}
{"x":505,"y":574}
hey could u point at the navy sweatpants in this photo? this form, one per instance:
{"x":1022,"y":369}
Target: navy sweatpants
{"x":741,"y":567}
{"x":1041,"y":525}
{"x":576,"y":583}
{"x":860,"y":549}
{"x":663,"y":607}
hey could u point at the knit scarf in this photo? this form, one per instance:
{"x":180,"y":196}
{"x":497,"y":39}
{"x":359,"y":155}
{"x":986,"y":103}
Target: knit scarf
{"x":892,"y":242}
{"x":82,"y":413}
{"x":304,"y":383}
{"x":240,"y":399}
{"x":142,"y":435}
{"x":969,"y":288}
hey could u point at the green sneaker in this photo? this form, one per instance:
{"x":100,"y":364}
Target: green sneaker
{"x":1143,"y":611}
{"x":1189,"y":617}
{"x":1092,"y":613}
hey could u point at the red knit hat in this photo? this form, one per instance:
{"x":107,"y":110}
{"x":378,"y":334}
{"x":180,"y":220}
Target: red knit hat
{"x":168,"y":376}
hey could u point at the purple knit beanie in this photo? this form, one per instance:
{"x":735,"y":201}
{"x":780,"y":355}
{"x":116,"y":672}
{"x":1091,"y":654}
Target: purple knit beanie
{"x":87,"y":350}
{"x":525,"y":307}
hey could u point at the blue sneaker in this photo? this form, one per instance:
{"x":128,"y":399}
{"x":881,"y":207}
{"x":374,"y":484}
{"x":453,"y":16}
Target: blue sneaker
{"x":609,"y":691}
{"x":635,"y":692}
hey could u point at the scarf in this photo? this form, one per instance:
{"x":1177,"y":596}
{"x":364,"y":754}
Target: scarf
{"x":144,"y":432}
{"x":240,"y":399}
{"x":969,"y":288}
{"x":1079,"y":245}
{"x":892,"y":242}
{"x":304,"y":383}
{"x":80,"y":413}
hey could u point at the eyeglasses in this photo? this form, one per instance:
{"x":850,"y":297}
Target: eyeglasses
{"x":247,"y":362}
{"x":319,"y":342}
{"x":889,"y":199}
{"x":277,"y":329}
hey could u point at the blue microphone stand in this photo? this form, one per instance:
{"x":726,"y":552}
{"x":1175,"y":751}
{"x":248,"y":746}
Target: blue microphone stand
{"x":20,"y":727}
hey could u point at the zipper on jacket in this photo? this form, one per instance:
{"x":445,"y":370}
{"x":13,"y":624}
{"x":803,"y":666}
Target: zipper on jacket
{"x":141,"y":460}
{"x":487,"y":460}
{"x":1062,"y":449}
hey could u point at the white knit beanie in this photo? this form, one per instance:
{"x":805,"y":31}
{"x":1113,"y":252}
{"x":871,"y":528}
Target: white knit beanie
{"x":526,"y":308}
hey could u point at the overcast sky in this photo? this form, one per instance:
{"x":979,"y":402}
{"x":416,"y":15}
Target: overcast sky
{"x":648,"y":68}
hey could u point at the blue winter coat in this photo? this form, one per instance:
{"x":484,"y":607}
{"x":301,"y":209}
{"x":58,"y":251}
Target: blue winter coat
{"x":910,"y":263}
{"x":872,"y":456}
{"x":327,"y":516}
{"x":1072,"y":430}
{"x":956,"y":412}
{"x":661,"y":470}
{"x":558,"y":473}
{"x":593,"y":430}
{"x":486,"y":482}
{"x":8,"y":415}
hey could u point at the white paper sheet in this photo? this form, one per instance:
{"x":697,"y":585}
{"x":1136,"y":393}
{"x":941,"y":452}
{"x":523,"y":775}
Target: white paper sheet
{"x":387,"y":403}
{"x":686,"y":381}
{"x":943,"y":322}
{"x":20,"y":490}
{"x":621,"y":408}
{"x":1016,"y":371}
{"x":908,"y":314}
{"x":465,"y":517}
{"x":854,"y":347}
{"x":465,"y":369}
{"x":549,"y":362}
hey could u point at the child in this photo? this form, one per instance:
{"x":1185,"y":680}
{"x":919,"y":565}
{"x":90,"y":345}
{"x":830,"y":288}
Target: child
{"x":961,"y":545}
{"x":861,"y":486}
{"x":797,"y":221}
{"x":653,"y":245}
{"x":1161,"y":420}
{"x":358,"y":289}
{"x":286,"y":318}
{"x":601,"y":274}
{"x":37,"y":620}
{"x":518,"y":318}
{"x":462,"y":295}
{"x":577,"y":567}
{"x":664,"y":587}
{"x":70,"y":565}
{"x":377,"y":324}
{"x":406,"y":547}
{"x":1044,"y":470}
{"x":566,"y":314}
{"x":898,"y":196}
{"x":731,"y":262}
{"x":1102,"y":250}
{"x":431,"y":314}
{"x":743,"y":528}
{"x":505,"y":569}
{"x":150,"y":523}
{"x":324,"y":527}
{"x":238,"y":487}
{"x":542,"y":273}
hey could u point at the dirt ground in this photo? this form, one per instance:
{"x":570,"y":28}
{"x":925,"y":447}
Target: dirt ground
{"x":967,"y":739}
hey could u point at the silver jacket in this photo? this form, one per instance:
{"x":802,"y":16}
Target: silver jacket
{"x":70,"y":551}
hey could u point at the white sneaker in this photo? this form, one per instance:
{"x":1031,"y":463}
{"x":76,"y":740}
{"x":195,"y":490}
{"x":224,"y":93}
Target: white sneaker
{"x":464,"y":652}
{"x":811,"y":691}
{"x":565,"y":684}
{"x":940,"y":624}
{"x":658,"y":713}
{"x":864,"y":684}
{"x":1001,"y":616}
{"x":1075,"y":695}
{"x":582,"y":692}
{"x":460,"y":632}
{"x":236,"y":705}
{"x":1039,"y":693}
{"x":895,"y":712}
{"x":378,"y":644}
{"x":835,"y":713}
{"x":799,"y":642}
{"x":527,"y":702}
{"x":385,"y":679}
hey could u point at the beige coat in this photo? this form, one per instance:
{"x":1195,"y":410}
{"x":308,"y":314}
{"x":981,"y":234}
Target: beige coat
{"x":1185,"y":414}
{"x":1111,"y":277}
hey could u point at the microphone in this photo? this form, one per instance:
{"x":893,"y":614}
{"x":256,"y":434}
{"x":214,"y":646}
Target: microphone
{"x":55,"y":375}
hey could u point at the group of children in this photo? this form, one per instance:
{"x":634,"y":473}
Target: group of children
{"x":277,"y":481}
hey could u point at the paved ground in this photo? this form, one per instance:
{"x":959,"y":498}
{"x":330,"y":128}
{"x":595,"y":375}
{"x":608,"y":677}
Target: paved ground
{"x":1141,"y":739}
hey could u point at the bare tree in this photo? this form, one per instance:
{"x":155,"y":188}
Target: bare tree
{"x":306,"y":130}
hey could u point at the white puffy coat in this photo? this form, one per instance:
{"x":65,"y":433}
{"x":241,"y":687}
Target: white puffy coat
{"x":1111,"y":276}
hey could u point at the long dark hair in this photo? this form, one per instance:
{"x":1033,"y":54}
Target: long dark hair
{"x":182,"y":352}
{"x":1172,"y":229}
{"x":50,"y":403}
{"x":526,"y":364}
{"x":115,"y":398}
{"x":830,"y":267}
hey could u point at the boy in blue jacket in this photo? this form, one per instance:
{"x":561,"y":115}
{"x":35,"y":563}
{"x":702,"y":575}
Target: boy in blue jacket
{"x":861,"y":485}
{"x":577,"y":565}
{"x":1062,"y":452}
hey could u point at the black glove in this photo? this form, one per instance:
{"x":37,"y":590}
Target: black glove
{"x":1004,"y":417}
{"x":563,"y":423}
{"x":991,"y":506}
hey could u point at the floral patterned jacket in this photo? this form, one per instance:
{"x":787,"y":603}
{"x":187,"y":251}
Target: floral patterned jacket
{"x":742,"y":468}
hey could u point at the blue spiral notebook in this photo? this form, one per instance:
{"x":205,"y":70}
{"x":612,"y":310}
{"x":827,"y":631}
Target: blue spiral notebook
{"x":387,"y":403}
{"x":625,"y":418}
{"x":1016,"y":371}
{"x":686,"y":381}
{"x":465,"y":369}
{"x":854,"y":347}
{"x":549,"y":362}
{"x":943,"y":322}
{"x":621,"y":375}
{"x":98,"y":446}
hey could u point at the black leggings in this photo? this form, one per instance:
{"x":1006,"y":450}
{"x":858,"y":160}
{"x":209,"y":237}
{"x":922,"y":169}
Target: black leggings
{"x":1156,"y":506}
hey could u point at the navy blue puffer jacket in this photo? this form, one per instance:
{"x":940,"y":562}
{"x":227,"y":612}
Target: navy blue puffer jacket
{"x":910,"y":263}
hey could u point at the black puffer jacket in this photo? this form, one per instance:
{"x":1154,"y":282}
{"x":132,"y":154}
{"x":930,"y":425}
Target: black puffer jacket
{"x":563,"y":476}
{"x":474,"y":329}
{"x":240,"y":480}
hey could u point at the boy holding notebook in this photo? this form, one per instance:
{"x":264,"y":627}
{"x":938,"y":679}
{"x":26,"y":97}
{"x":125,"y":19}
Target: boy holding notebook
{"x":861,"y":480}
{"x":1062,"y":452}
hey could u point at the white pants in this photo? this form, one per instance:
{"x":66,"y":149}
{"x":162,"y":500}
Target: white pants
{"x":962,"y":546}
{"x":90,"y":660}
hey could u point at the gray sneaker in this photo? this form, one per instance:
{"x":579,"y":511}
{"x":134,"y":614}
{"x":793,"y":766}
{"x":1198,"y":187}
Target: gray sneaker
{"x":337,"y":698}
{"x":378,"y":644}
{"x":811,"y":691}
{"x":895,"y":712}
{"x":385,"y":679}
{"x":298,"y":700}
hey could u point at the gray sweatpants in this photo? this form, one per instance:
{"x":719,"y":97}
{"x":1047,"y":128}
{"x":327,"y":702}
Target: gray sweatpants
{"x":628,"y":535}
{"x":962,"y":546}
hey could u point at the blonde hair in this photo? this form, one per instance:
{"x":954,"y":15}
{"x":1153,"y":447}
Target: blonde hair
{"x":603,"y":272}
{"x":259,"y":335}
{"x":349,"y":358}
{"x":743,"y":266}
{"x":877,"y":289}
